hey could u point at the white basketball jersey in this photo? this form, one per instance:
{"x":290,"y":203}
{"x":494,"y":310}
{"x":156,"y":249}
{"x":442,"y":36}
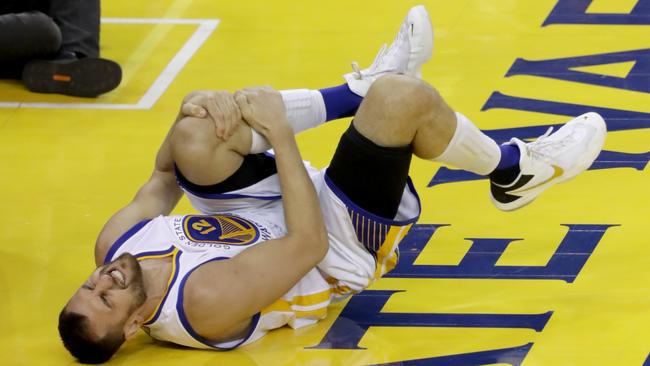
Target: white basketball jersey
{"x":362,"y":248}
{"x":193,"y":240}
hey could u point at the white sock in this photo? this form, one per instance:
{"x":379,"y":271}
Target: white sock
{"x":305,"y":110}
{"x":470,"y":149}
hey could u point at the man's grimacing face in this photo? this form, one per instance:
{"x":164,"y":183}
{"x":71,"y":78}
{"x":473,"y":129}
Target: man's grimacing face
{"x":110,"y":295}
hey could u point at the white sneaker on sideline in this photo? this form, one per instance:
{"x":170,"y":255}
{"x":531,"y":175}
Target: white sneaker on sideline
{"x":551,"y":159}
{"x":411,"y":48}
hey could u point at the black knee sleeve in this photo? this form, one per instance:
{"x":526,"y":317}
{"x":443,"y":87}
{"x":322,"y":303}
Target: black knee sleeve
{"x":254,"y":168}
{"x":372,"y":176}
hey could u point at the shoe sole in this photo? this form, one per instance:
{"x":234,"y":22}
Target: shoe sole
{"x":86,"y":77}
{"x":419,"y":15}
{"x":595,"y":120}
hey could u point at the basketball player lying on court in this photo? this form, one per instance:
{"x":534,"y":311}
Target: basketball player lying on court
{"x":279,"y":240}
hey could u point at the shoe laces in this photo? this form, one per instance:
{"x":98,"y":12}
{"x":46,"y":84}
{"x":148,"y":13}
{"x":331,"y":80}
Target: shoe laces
{"x":544,"y":147}
{"x":382,"y":57}
{"x":359,"y":74}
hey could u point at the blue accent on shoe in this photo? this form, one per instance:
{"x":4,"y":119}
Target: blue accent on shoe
{"x":340,"y":102}
{"x":509,"y":156}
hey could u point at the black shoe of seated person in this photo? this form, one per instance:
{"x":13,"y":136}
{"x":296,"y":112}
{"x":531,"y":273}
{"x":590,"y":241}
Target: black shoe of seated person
{"x":81,"y":77}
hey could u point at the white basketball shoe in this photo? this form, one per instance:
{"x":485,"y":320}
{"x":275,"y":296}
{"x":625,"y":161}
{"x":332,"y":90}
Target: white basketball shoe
{"x":411,"y":48}
{"x":551,"y":159}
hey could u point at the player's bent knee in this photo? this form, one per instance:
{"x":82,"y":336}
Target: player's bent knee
{"x":413,"y":94}
{"x":195,"y":132}
{"x":199,"y":155}
{"x":193,"y":137}
{"x":396,"y":84}
{"x":392,"y":83}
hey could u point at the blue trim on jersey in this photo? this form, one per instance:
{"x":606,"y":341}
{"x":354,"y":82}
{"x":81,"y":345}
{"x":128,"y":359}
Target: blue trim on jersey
{"x":348,"y":202}
{"x":126,"y":236}
{"x":170,"y":286}
{"x":228,"y":196}
{"x":186,"y":323}
{"x":156,"y":253}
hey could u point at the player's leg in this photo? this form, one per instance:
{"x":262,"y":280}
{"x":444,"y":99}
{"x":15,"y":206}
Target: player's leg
{"x":209,"y":166}
{"x":368,"y":204}
{"x":371,"y":163}
{"x":203,"y":159}
{"x":402,"y":111}
{"x":310,"y":108}
{"x":411,"y":48}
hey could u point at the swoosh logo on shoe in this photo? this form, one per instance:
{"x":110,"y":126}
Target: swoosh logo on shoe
{"x":557,"y":172}
{"x":509,"y":194}
{"x":501,"y":193}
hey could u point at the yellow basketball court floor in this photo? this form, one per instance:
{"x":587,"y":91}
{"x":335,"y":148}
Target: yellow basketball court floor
{"x":563,"y":281}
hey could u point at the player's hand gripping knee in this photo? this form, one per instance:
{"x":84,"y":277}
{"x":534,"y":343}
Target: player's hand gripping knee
{"x":218,"y":106}
{"x":263,"y":109}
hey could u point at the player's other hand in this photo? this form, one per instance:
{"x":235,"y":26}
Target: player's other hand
{"x":217,"y":106}
{"x":263,"y":109}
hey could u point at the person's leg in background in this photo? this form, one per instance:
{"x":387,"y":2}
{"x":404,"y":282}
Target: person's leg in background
{"x":77,"y":69}
{"x":53,"y":46}
{"x":24,"y":36}
{"x":79,"y":23}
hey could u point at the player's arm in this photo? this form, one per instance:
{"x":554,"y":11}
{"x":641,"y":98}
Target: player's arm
{"x":158,"y":196}
{"x":260,"y":275}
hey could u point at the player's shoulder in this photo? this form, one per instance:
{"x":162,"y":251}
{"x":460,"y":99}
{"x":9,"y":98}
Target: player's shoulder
{"x":109,"y":243}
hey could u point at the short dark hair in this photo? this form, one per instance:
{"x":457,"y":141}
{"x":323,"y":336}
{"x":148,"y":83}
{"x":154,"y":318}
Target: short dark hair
{"x":76,"y":337}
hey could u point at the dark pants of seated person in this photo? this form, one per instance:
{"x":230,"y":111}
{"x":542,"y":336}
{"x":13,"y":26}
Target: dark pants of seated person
{"x":64,"y":36}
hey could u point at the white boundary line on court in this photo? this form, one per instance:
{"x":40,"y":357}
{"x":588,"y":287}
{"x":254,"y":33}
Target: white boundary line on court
{"x":156,"y":90}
